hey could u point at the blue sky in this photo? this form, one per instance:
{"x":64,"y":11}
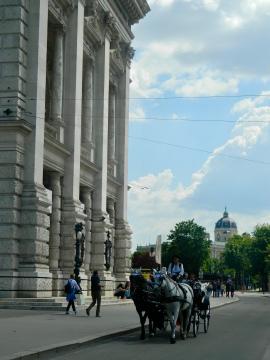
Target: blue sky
{"x":195,"y":60}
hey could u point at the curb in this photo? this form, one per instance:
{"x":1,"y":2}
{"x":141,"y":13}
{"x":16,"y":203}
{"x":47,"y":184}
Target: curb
{"x":236,"y":299}
{"x":47,"y":351}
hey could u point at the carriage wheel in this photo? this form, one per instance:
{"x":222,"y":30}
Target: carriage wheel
{"x":195,"y":323}
{"x":206,"y":320}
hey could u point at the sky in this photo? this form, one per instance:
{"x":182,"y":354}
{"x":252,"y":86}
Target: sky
{"x":199,"y":130}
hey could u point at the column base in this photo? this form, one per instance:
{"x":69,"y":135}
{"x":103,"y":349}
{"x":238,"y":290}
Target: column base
{"x":107,"y":283}
{"x":9,"y":284}
{"x":35,"y":283}
{"x":122,"y":250}
{"x":58,"y":282}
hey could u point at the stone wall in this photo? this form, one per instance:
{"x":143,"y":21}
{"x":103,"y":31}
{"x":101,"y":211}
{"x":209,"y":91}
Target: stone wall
{"x":63,"y":133}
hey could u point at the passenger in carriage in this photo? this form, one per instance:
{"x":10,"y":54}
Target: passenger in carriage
{"x":175,"y":268}
{"x":185,"y":279}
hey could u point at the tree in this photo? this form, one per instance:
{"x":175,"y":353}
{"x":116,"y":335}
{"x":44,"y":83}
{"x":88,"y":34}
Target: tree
{"x":214,"y":266}
{"x":260,"y":253}
{"x":237,"y":256}
{"x":189,"y":241}
{"x":143,"y":260}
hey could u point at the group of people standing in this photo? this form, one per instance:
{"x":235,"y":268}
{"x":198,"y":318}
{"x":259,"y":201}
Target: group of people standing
{"x":220,"y":288}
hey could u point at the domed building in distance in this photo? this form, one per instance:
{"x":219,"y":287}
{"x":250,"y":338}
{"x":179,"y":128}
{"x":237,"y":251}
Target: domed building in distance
{"x":225,"y":228}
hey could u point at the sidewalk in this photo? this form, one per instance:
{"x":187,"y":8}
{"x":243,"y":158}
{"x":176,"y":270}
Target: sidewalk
{"x":25,"y":332}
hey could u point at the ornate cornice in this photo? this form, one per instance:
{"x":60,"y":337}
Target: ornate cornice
{"x":94,"y":23}
{"x":135,"y":9}
{"x":61,"y":9}
{"x":56,"y":8}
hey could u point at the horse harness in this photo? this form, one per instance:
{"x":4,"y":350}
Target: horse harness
{"x":178,"y":298}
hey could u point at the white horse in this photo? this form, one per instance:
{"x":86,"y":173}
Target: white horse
{"x":178,"y":302}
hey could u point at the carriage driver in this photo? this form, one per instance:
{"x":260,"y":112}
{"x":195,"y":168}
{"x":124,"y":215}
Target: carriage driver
{"x":175,"y":268}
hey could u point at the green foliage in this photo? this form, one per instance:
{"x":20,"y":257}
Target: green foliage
{"x":237,"y":257}
{"x":189,"y":241}
{"x":260,"y":254}
{"x":213,"y":266}
{"x":236,"y":253}
{"x":249,"y":256}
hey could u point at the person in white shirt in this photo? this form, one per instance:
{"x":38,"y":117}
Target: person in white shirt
{"x":175,"y":268}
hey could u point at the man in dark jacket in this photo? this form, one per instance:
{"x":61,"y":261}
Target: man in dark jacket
{"x":95,"y":293}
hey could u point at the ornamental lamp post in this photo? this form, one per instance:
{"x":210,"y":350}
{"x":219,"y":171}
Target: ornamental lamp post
{"x":108,"y":251}
{"x":79,"y":253}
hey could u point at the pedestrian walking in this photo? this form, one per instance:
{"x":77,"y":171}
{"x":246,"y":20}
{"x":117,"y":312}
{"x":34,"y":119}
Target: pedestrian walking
{"x":95,"y":293}
{"x":228,"y":287}
{"x":218,"y":288}
{"x":214,"y":286}
{"x":223,"y":289}
{"x":71,"y":288}
{"x":232,"y":290}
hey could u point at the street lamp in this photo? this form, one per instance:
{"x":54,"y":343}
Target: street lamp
{"x":108,"y":251}
{"x":79,"y":253}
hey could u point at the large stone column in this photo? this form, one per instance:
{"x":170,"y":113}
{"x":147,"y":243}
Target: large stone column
{"x":86,"y":195}
{"x":57,"y":82}
{"x":112,"y":132}
{"x":111,"y":212}
{"x":72,"y":207}
{"x":55,"y":236}
{"x":122,"y":228}
{"x":35,"y":278}
{"x":99,"y":227}
{"x":12,"y":139}
{"x":13,"y":133}
{"x":87,"y":110}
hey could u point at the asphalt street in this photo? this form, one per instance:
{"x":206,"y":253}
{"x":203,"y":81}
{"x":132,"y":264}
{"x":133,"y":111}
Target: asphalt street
{"x":240,"y":331}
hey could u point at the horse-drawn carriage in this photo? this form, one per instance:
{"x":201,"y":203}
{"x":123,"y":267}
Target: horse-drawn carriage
{"x":164,"y":301}
{"x":201,"y":308}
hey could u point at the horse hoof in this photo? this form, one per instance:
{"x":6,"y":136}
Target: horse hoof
{"x":152,"y":334}
{"x":183,"y":336}
{"x":172,"y":341}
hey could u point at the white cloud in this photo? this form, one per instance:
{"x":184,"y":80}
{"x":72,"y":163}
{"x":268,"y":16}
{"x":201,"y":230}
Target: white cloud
{"x":162,"y":3}
{"x":245,"y":135}
{"x":206,"y":85}
{"x":233,"y":21}
{"x":211,"y":5}
{"x":137,"y":114}
{"x":200,"y":43}
{"x":156,"y":202}
{"x":157,"y":209}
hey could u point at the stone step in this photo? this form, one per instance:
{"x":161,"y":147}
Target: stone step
{"x":53,"y":304}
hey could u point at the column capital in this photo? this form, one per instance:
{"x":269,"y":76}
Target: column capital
{"x":110,"y":25}
{"x":128,"y":53}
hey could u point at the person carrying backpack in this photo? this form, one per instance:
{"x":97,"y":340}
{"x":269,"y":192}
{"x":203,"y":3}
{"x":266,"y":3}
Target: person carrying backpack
{"x":71,"y":288}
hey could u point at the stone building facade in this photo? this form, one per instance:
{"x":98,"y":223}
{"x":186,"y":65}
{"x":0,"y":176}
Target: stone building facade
{"x":64,"y":89}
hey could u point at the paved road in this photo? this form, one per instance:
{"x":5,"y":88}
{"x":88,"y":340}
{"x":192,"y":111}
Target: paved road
{"x":240,"y":331}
